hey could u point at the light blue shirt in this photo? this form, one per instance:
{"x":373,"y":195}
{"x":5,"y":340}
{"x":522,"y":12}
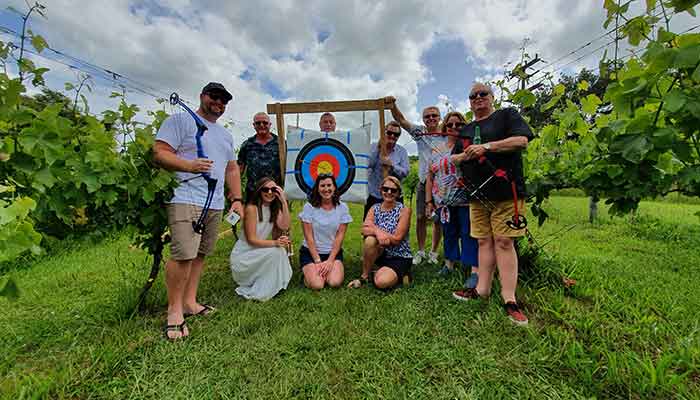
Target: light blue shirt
{"x":399,"y":169}
{"x":179,"y":130}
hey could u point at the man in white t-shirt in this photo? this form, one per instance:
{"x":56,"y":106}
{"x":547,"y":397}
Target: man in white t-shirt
{"x":176,"y":149}
{"x":427,"y":137}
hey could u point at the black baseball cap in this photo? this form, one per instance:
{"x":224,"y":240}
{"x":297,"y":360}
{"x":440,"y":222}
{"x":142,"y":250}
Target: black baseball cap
{"x":217,"y":87}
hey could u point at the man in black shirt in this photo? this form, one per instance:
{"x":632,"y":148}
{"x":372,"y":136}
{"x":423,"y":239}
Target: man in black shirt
{"x":259,"y":155}
{"x":500,"y":136}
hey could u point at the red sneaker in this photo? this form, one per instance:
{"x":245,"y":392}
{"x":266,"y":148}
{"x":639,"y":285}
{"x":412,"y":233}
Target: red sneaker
{"x":515,"y":314}
{"x":466,"y":294}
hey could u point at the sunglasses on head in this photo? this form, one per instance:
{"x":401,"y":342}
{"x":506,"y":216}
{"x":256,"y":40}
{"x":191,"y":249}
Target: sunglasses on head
{"x":387,"y":189}
{"x":394,"y":134}
{"x":263,"y":123}
{"x":482,"y":93}
{"x":268,"y":189}
{"x":455,"y":125}
{"x":426,"y":116}
{"x":218,"y":97}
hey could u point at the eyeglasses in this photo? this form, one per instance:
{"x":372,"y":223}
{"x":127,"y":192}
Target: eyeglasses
{"x":426,"y":116}
{"x":268,"y":189}
{"x":387,"y":189}
{"x":454,"y":125}
{"x":263,"y":123}
{"x":218,"y":97}
{"x":394,"y":134}
{"x":482,"y":93}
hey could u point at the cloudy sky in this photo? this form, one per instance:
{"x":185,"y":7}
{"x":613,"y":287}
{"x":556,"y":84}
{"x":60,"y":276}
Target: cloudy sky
{"x":422,"y":52}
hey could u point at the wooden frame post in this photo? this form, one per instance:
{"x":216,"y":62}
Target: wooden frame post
{"x":279,"y":109}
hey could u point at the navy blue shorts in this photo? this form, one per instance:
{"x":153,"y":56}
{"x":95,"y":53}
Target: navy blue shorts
{"x":305,"y":256}
{"x":400,"y":265}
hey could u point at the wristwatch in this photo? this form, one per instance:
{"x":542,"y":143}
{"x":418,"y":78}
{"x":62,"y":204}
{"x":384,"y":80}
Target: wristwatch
{"x":237,"y":199}
{"x":487,"y":146}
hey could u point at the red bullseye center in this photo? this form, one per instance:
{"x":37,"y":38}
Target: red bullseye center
{"x":324,"y":164}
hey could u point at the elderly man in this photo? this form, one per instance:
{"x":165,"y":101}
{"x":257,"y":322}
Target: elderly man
{"x":327,"y":122}
{"x":428,"y":137}
{"x":259,"y":155}
{"x":504,"y":135}
{"x":396,"y":161}
{"x":175,"y":149}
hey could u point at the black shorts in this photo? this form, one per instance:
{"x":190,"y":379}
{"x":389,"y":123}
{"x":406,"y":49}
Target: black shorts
{"x":306,"y":258}
{"x":400,"y":265}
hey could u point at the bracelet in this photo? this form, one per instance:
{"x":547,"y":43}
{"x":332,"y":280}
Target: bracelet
{"x":237,"y":199}
{"x":429,"y":202}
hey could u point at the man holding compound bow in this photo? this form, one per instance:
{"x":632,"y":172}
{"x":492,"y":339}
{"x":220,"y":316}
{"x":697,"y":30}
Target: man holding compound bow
{"x":493,"y":164}
{"x":201,"y":153}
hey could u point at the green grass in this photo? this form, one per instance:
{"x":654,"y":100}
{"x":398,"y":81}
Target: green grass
{"x":628,"y":329}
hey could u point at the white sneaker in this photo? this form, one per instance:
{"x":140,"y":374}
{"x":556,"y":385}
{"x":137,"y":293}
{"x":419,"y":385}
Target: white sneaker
{"x":433,"y":257}
{"x":418,"y":258}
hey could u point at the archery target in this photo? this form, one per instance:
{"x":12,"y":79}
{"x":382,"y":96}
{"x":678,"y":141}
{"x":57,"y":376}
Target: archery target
{"x":345,"y":154}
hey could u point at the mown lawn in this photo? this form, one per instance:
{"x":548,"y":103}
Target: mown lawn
{"x":628,"y":329}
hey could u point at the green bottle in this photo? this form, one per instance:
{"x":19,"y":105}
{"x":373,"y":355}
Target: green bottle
{"x":477,"y":135}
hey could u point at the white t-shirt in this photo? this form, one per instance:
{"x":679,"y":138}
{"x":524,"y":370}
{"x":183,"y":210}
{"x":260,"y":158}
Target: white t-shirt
{"x":325,"y":224}
{"x":178,"y":130}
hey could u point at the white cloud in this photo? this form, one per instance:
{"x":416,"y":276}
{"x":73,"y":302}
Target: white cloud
{"x":370,"y":48}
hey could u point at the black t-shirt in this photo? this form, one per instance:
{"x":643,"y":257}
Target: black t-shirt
{"x":502,"y":124}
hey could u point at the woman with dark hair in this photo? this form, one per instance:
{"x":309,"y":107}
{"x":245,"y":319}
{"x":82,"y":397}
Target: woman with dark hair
{"x":325,"y":220}
{"x":260,"y":265}
{"x":447,"y":196}
{"x":386,"y":244}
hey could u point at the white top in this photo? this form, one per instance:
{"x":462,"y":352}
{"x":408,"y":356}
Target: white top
{"x":426,"y":145}
{"x":178,"y":130}
{"x":325,"y":224}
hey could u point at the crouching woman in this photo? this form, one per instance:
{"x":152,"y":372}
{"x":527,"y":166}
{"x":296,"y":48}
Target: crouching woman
{"x":259,"y":262}
{"x":386,"y":243}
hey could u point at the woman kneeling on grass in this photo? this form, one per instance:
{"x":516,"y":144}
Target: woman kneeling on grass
{"x":325,"y":220}
{"x":259,"y":265}
{"x":386,"y":240}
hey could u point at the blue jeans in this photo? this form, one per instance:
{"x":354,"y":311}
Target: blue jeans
{"x":456,"y":231}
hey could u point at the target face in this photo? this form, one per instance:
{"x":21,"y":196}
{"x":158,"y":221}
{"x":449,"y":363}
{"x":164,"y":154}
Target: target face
{"x":324,"y":156}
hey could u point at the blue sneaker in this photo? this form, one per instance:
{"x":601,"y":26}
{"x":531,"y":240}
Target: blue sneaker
{"x":472,"y":281}
{"x":445,"y":271}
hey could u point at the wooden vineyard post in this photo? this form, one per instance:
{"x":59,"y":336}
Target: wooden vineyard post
{"x":281,"y":142}
{"x":382,"y":139}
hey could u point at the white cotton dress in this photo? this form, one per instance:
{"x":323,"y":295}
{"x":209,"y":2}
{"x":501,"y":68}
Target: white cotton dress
{"x":261,"y":272}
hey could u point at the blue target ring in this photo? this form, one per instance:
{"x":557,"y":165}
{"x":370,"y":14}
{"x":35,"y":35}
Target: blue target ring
{"x":324,"y":155}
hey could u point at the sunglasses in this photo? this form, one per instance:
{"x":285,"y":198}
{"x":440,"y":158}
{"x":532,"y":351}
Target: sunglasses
{"x":268,"y":190}
{"x":263,"y":123}
{"x":478,"y":94}
{"x":218,"y":97}
{"x":454,"y":125}
{"x":426,"y":116}
{"x":394,"y":134}
{"x":387,"y":189}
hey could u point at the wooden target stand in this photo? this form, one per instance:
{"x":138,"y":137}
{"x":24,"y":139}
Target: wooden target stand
{"x":280,"y":109}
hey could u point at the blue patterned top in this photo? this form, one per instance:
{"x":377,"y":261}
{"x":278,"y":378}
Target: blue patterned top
{"x":388,"y":221}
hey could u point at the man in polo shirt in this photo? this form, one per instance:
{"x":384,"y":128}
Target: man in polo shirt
{"x":396,"y":161}
{"x":259,"y":155}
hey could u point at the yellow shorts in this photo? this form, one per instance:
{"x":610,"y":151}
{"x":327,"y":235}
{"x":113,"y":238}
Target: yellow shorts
{"x":485,"y":223}
{"x":186,"y":244}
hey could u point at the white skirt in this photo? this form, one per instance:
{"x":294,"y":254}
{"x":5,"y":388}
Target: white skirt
{"x":260,"y":272}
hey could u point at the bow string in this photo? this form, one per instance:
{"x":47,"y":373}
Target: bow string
{"x":198,"y":226}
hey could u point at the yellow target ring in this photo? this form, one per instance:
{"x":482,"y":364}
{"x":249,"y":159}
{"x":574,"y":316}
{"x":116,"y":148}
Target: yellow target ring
{"x":324,"y":167}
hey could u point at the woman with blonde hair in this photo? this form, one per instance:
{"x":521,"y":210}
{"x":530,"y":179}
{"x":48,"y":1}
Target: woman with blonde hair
{"x":386,"y":243}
